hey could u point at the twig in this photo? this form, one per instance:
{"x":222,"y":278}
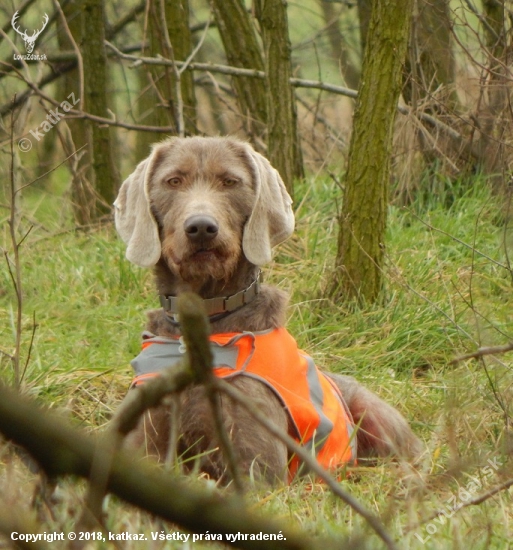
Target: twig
{"x":128,"y":18}
{"x":149,"y":395}
{"x":470,"y":247}
{"x":485,"y":496}
{"x":198,"y":46}
{"x":136,"y":402}
{"x":316,"y":84}
{"x":297,"y":82}
{"x":73,"y":113}
{"x":80,"y":61}
{"x":483,"y":20}
{"x":62,"y":450}
{"x":481,"y":352}
{"x":21,"y":10}
{"x":321,"y":119}
{"x":215,"y":68}
{"x":195,"y":367}
{"x":16,"y":276}
{"x":12,"y":45}
{"x":195,"y":331}
{"x":29,"y":352}
{"x":472,"y":502}
{"x":496,"y":393}
{"x":51,"y":170}
{"x":307,"y":458}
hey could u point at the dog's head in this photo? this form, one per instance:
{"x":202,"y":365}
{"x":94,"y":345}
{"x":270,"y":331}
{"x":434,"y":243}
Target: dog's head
{"x":199,"y":203}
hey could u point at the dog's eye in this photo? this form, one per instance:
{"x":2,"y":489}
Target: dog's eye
{"x":230,"y":182}
{"x":174,"y":182}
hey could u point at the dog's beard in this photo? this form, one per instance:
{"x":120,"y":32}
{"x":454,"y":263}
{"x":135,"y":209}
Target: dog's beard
{"x":198,"y":265}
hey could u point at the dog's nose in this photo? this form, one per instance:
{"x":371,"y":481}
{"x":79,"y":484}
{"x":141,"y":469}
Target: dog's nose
{"x":201,"y":228}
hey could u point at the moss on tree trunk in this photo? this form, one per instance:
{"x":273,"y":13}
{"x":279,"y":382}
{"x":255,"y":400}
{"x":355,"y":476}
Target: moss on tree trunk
{"x":430,"y":62}
{"x":158,"y":104}
{"x":243,"y":50}
{"x":106,"y":176}
{"x":338,"y":43}
{"x":284,"y":151}
{"x":363,"y":217}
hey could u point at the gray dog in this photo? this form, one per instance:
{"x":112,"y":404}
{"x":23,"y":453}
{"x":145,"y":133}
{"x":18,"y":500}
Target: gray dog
{"x":205,"y":214}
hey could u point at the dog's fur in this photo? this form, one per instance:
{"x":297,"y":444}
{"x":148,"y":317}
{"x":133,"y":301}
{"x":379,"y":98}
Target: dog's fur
{"x":225,"y":180}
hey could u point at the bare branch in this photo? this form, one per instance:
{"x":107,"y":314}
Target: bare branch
{"x":52,"y":170}
{"x":31,"y":345}
{"x":472,"y":502}
{"x":215,"y":68}
{"x":16,"y":275}
{"x":72,"y":40}
{"x":195,"y":331}
{"x":455,"y":136}
{"x":62,"y":450}
{"x":481,"y":352}
{"x":310,"y":461}
{"x":470,"y":247}
{"x":82,"y":114}
{"x":21,"y":11}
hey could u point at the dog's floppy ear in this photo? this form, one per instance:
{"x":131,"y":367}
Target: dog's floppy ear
{"x":272,"y":219}
{"x":133,"y":218}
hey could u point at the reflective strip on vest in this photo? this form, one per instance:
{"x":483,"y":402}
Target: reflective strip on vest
{"x":169,"y":351}
{"x":316,"y":407}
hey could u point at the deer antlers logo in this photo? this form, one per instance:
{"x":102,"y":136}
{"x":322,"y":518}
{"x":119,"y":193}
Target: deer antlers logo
{"x":30,"y":41}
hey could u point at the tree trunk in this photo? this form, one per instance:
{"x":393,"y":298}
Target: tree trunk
{"x":362,"y":222}
{"x":106,"y":176}
{"x":430,"y":72}
{"x":284,"y":150}
{"x":364,"y":14}
{"x":496,"y":114}
{"x":338,"y":45}
{"x":430,"y":63}
{"x":241,"y":46}
{"x":159,"y":103}
{"x":177,"y":16}
{"x":82,"y":193}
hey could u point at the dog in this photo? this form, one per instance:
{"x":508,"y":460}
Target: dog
{"x":205,"y":213}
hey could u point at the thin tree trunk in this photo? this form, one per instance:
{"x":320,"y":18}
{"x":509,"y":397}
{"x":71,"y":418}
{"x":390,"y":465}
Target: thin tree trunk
{"x":177,"y":16}
{"x":496,"y":119}
{"x":363,"y":218}
{"x":106,"y":176}
{"x":159,"y":104}
{"x":429,"y":73}
{"x":242,"y":49}
{"x":82,"y":193}
{"x":338,"y":45}
{"x":284,"y":150}
{"x":430,"y":62}
{"x":364,"y":14}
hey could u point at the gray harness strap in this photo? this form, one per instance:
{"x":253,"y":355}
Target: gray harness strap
{"x":167,"y":352}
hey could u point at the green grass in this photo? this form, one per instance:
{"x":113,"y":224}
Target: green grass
{"x":441,"y":299}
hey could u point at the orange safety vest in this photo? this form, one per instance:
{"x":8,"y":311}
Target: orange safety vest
{"x":314,"y":403}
